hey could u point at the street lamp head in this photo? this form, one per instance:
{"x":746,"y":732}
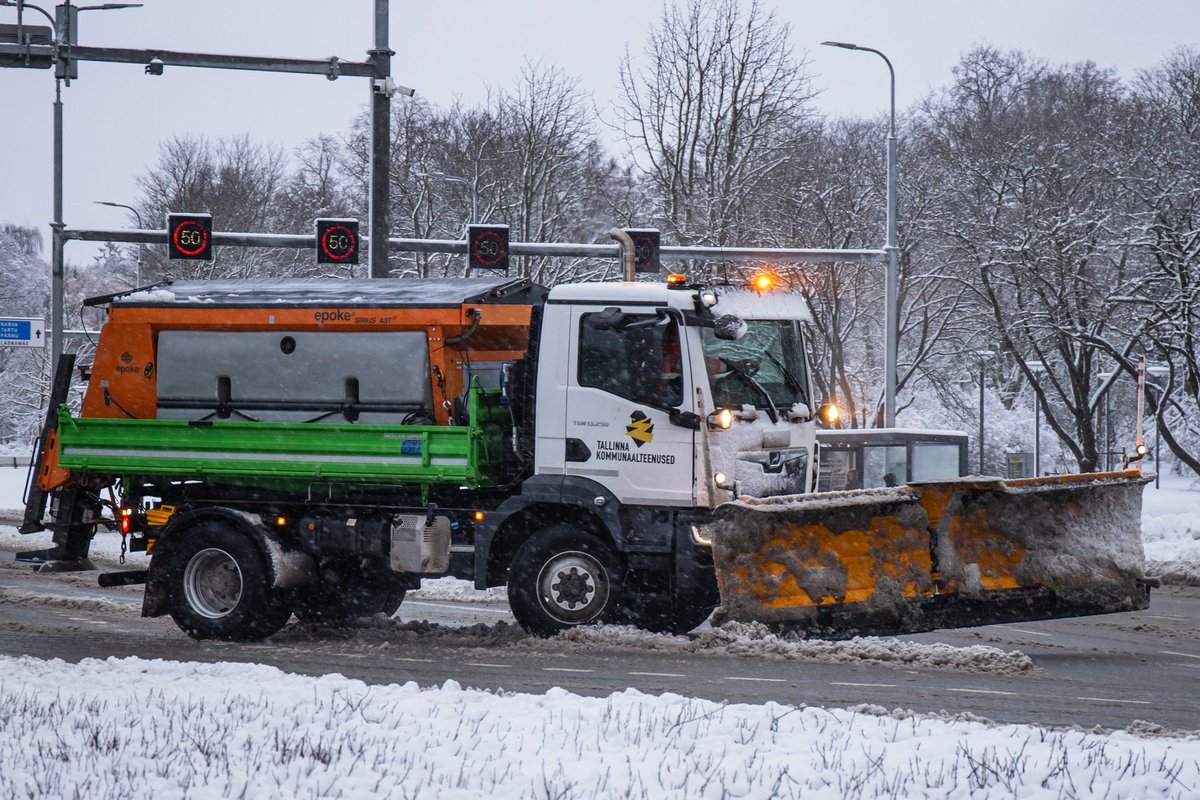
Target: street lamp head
{"x":843,"y":45}
{"x":125,"y":206}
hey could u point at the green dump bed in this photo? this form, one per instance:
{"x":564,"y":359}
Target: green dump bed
{"x":288,"y":453}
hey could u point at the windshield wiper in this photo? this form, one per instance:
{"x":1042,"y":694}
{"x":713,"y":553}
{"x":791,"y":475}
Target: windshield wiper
{"x":772,"y":409}
{"x":787,"y":374}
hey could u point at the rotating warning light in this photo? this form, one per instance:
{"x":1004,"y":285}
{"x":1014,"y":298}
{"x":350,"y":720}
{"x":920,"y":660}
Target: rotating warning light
{"x":189,"y":237}
{"x":764,"y":281}
{"x":830,"y":413}
{"x":676,"y":281}
{"x":487,"y":247}
{"x":337,"y":241}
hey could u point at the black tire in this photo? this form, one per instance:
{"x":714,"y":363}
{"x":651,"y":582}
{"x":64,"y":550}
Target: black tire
{"x":325,"y":602}
{"x":676,"y":617}
{"x":562,"y":577}
{"x":218,"y":586}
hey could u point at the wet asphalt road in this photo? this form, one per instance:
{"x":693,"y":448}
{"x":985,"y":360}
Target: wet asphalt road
{"x":1109,"y":671}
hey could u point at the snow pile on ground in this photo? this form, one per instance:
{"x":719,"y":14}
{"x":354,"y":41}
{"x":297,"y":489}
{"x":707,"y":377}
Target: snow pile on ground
{"x":756,"y":640}
{"x":447,"y":590}
{"x":137,"y":728}
{"x":732,"y":639}
{"x":99,"y":604}
{"x":1171,"y":530}
{"x":383,"y":633}
{"x":1173,"y":548}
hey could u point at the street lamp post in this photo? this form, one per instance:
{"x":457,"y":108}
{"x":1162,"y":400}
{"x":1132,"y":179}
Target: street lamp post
{"x":983,"y":356}
{"x":1106,"y":428}
{"x":1035,"y":367}
{"x":981,"y":375}
{"x":1157,"y":372}
{"x":138,"y":217}
{"x":892,"y":274}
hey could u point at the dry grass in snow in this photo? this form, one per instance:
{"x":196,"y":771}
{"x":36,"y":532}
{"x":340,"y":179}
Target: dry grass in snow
{"x":129,"y":728}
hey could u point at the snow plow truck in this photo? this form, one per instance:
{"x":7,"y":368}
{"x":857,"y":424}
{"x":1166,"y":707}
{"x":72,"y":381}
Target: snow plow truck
{"x":638,"y":453}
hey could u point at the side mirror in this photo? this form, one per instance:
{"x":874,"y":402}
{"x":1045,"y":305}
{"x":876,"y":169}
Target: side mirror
{"x":685,"y":419}
{"x":606,"y":320}
{"x":728,"y":327}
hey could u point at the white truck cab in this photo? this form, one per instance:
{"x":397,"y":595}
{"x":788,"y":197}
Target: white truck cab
{"x":649,"y":396}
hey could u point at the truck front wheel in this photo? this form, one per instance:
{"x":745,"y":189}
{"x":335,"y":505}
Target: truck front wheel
{"x":218,"y":586}
{"x":562,"y":577}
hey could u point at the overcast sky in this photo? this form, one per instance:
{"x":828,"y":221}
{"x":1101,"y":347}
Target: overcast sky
{"x":116,"y":116}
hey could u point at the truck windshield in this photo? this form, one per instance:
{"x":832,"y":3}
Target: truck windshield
{"x":770,"y":354}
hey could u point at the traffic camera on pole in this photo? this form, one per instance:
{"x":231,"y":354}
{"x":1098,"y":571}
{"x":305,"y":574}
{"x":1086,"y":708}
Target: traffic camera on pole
{"x":189,"y":237}
{"x":337,"y":241}
{"x":487,"y":247}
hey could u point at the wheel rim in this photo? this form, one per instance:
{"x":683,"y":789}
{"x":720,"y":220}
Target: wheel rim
{"x":212,"y":583}
{"x":573,"y":587}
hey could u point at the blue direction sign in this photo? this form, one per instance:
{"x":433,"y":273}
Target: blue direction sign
{"x":22,"y":332}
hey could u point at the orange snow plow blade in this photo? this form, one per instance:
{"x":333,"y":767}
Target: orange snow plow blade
{"x":934,"y":555}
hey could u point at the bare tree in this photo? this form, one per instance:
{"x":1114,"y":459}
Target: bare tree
{"x":717,"y":106}
{"x":530,"y":158}
{"x":556,"y":171}
{"x":24,"y":291}
{"x":240,"y":182}
{"x":1162,"y":296}
{"x":1030,"y":221}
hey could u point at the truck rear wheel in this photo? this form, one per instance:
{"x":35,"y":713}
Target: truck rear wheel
{"x":218,"y":586}
{"x":562,"y":577}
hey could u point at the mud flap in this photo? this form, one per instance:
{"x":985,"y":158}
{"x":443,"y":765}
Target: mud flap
{"x":35,"y":495}
{"x":934,"y":555}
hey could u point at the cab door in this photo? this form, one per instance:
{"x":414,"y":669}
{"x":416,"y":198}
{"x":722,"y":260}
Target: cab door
{"x":628,"y":370}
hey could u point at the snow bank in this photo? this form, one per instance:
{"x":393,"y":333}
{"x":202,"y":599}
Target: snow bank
{"x":98,"y":604}
{"x":1171,"y":530}
{"x":756,"y":640}
{"x":732,"y":639}
{"x":153,"y":729}
{"x":453,"y":590}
